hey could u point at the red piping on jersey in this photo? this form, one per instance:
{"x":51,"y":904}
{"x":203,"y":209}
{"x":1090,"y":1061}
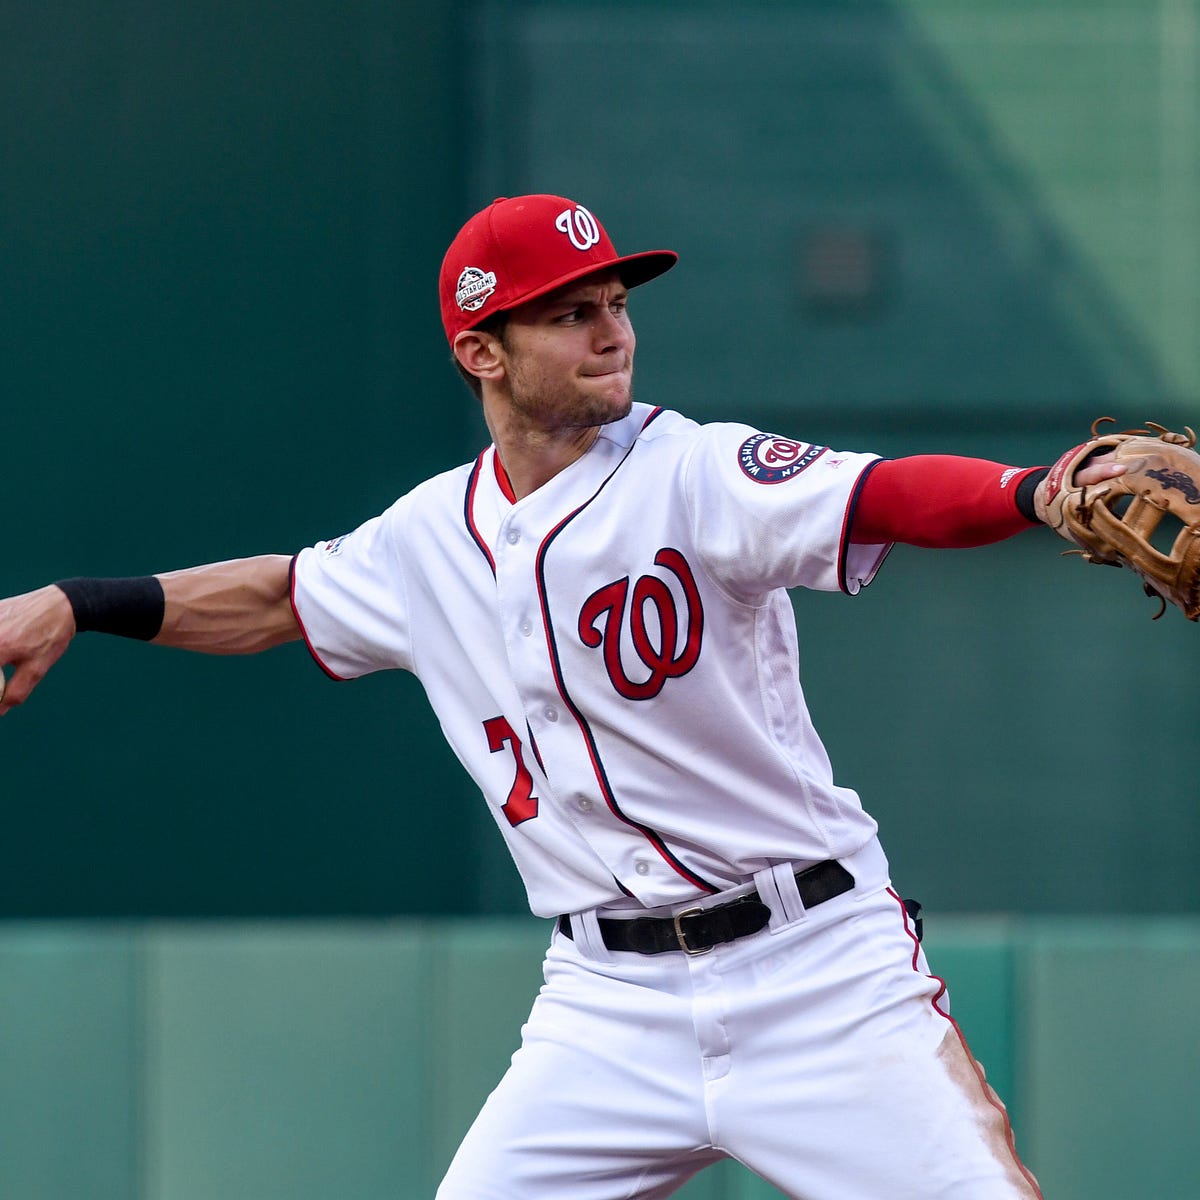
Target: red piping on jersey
{"x":989,"y":1093}
{"x":469,"y":512}
{"x":468,"y":515}
{"x":503,"y":480}
{"x":655,"y":839}
{"x":304,"y":632}
{"x":506,"y":487}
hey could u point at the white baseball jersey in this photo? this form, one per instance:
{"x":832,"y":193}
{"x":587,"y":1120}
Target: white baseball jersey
{"x":614,"y":657}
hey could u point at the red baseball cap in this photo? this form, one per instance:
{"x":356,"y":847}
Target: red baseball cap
{"x":520,"y":248}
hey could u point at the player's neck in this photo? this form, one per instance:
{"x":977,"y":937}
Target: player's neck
{"x":531,"y":450}
{"x":533,"y":459}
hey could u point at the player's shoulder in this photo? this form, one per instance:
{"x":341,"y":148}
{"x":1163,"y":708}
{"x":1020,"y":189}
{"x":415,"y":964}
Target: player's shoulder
{"x":670,"y":439}
{"x":646,"y":423}
{"x":736,"y":442}
{"x":447,"y":484}
{"x":745,"y":456}
{"x":649,"y":426}
{"x":435,"y":497}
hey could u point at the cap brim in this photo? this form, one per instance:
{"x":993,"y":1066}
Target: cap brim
{"x":634,"y":269}
{"x":649,"y":264}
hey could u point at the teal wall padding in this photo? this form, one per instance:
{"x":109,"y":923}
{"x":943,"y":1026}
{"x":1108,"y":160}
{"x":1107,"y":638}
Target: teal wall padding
{"x":70,"y":1076}
{"x":1109,"y":1057}
{"x":295,"y":1060}
{"x":287,"y":1062}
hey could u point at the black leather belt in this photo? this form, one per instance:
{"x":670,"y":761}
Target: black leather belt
{"x":698,"y":930}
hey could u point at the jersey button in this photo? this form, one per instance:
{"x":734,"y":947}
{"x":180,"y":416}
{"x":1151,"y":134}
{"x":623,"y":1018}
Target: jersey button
{"x":642,"y":867}
{"x":513,"y":537}
{"x":551,"y":714}
{"x":584,"y":804}
{"x":527,"y":628}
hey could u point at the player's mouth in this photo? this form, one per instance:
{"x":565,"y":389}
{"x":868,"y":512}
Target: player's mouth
{"x":623,"y":369}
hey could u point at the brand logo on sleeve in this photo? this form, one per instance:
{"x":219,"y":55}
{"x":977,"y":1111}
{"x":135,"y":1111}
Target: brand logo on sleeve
{"x":333,"y":548}
{"x":665,"y":639}
{"x":767,"y":458}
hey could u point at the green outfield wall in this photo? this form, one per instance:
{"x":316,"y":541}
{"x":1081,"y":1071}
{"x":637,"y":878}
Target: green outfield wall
{"x":298,"y":1060}
{"x":904,"y":227}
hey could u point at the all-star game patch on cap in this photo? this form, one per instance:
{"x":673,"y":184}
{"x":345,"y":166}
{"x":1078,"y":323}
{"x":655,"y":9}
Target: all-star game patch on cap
{"x":522,"y":247}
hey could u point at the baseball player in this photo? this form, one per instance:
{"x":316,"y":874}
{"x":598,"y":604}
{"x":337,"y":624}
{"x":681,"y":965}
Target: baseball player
{"x":597,"y":608}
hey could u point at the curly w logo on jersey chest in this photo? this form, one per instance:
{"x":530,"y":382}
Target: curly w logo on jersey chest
{"x":648,"y":630}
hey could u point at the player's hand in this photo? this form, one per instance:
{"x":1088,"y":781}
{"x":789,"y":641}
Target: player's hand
{"x":35,"y":629}
{"x":1097,"y":470}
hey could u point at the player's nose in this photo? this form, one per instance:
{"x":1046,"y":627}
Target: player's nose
{"x":612,"y":331}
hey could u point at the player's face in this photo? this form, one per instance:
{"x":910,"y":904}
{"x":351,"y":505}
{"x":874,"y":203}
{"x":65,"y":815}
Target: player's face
{"x":569,"y":356}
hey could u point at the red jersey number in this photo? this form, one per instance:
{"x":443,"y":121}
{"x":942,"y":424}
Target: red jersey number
{"x":521,"y":804}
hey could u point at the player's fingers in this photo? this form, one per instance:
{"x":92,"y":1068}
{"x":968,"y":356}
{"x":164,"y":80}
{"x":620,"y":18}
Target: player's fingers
{"x":35,"y":630}
{"x":1098,"y":469}
{"x":19,"y":686}
{"x":1099,"y":466}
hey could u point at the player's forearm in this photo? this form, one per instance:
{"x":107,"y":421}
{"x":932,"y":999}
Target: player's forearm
{"x":237,"y":607}
{"x":942,"y":501}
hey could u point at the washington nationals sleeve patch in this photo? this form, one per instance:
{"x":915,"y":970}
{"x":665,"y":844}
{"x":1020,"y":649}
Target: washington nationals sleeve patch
{"x":768,"y":458}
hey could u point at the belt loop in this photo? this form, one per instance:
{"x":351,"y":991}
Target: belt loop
{"x":777,"y":887}
{"x":585,"y":926}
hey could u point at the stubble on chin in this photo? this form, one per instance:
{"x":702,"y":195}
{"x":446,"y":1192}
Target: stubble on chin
{"x":605,"y":409}
{"x":616,"y":412}
{"x":572,"y":409}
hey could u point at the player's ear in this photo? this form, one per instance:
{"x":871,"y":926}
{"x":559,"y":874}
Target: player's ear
{"x":479,"y":353}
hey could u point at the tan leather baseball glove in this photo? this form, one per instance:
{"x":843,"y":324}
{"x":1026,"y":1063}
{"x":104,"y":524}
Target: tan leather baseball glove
{"x":1147,"y":519}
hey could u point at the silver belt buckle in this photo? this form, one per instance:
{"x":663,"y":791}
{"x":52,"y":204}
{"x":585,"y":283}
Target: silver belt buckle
{"x":679,"y":937}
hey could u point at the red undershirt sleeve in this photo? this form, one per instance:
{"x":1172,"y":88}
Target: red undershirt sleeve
{"x":939,"y":501}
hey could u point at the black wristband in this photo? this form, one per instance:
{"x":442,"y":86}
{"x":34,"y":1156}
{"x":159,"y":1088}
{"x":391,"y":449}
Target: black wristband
{"x":1025,"y":491}
{"x":131,"y":608}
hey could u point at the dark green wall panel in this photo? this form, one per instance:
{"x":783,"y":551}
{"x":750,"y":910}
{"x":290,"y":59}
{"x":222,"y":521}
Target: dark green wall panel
{"x":221,"y":226}
{"x":973,"y":701}
{"x":881,"y":206}
{"x":219,"y":232}
{"x":1004,"y":200}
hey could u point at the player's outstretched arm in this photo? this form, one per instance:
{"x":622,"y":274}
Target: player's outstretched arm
{"x":238,"y":607}
{"x":943,"y":501}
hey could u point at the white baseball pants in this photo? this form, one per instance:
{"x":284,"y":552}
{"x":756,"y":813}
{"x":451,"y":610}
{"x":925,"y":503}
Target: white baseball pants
{"x":818,"y":1052}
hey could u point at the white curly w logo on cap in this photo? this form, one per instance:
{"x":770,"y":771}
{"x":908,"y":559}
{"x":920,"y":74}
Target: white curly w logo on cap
{"x":579,"y":225}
